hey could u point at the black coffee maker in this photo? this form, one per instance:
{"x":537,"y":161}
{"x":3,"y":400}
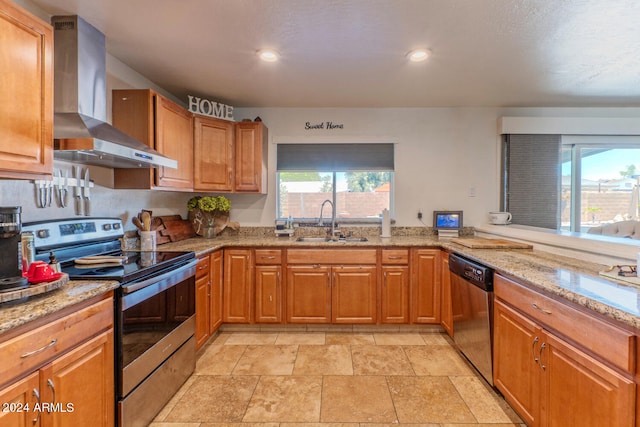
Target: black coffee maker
{"x":11,"y":249}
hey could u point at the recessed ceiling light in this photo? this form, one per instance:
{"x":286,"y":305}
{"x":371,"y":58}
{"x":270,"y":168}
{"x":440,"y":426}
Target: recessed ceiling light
{"x":418,"y":55}
{"x":268,"y":55}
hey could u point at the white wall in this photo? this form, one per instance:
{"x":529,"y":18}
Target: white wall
{"x":440,"y":154}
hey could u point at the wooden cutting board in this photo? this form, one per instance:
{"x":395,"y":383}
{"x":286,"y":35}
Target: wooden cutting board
{"x":484,"y":243}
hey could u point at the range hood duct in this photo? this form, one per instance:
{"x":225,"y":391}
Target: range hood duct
{"x":80,"y":131}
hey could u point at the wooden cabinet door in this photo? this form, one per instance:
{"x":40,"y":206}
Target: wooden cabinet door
{"x":308,"y":294}
{"x":425,"y":286}
{"x":581,"y":391}
{"x":395,"y":294}
{"x":250,"y":157}
{"x":354,"y":294}
{"x":213,"y":154}
{"x":203,"y":286}
{"x":81,"y":384}
{"x":215,"y":292}
{"x":174,"y":139}
{"x":238,"y":281}
{"x":446,"y":311}
{"x":26,"y":94}
{"x":516,"y":355}
{"x":268,"y":294}
{"x":19,"y":400}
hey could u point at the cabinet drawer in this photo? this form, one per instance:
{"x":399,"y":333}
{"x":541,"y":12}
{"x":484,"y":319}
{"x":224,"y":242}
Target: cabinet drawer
{"x":613,"y":344}
{"x":268,"y":256}
{"x":331,"y":256}
{"x":395,"y":256}
{"x":29,"y":351}
{"x":202,"y":269}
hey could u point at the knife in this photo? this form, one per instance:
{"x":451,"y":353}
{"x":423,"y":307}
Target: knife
{"x":49,"y":192}
{"x":85,"y":193}
{"x":77,"y":190}
{"x":62,"y":189}
{"x":40,"y":193}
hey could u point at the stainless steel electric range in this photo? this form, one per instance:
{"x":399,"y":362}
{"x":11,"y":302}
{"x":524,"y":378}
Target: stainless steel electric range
{"x":154,"y":307}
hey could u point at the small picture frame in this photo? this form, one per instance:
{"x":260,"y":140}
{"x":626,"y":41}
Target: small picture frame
{"x":447,"y":220}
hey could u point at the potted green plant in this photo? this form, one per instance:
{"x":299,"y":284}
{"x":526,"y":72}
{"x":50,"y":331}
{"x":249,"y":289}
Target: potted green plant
{"x":209,"y":215}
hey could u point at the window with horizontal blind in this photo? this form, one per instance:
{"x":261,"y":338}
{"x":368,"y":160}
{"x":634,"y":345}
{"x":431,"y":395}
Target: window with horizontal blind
{"x":577,"y":183}
{"x":532,"y":179}
{"x":356,"y":178}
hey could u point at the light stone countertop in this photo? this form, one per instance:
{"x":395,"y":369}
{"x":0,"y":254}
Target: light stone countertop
{"x":567,"y":278}
{"x":19,"y":312}
{"x":563,"y":277}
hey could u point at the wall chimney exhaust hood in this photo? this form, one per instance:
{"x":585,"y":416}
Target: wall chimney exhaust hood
{"x":80,"y":131}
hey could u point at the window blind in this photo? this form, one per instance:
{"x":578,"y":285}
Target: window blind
{"x":532,"y":179}
{"x":335,"y":157}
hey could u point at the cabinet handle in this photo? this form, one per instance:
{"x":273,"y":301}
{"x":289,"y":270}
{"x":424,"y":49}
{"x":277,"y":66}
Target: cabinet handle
{"x":394,"y":257}
{"x":268,"y":257}
{"x":270,"y":298}
{"x":53,"y":389}
{"x":542,"y":347}
{"x":545,"y":311}
{"x":41,"y":349}
{"x":533,"y":347}
{"x":384,"y":282}
{"x":37,"y":396}
{"x":329,"y":278}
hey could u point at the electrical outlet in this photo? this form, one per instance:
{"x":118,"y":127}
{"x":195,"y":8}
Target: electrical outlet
{"x":419,"y":214}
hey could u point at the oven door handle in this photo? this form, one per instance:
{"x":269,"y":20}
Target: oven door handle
{"x":136,"y":292}
{"x":179,"y":274}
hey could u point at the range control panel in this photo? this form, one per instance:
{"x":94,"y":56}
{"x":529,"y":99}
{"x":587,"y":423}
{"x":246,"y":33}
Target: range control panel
{"x":64,"y":232}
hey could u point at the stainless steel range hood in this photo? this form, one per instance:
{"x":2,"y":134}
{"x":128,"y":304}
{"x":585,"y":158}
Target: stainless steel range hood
{"x":80,"y":131}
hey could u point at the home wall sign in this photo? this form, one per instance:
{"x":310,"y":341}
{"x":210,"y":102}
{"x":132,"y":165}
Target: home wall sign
{"x":323,"y":126}
{"x":210,"y":108}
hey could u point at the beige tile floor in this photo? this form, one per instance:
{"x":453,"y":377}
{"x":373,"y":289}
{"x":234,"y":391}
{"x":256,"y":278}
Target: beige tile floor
{"x":248,"y":379}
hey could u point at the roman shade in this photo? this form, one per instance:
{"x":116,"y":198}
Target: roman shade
{"x":532,"y":179}
{"x":335,"y":157}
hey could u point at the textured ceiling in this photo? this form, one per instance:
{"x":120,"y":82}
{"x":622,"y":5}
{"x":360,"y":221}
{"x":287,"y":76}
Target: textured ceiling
{"x":351,"y":53}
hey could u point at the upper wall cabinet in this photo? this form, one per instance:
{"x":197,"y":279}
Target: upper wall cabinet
{"x":251,"y":157}
{"x":164,"y":126}
{"x":213,"y":154}
{"x":26,"y":94}
{"x":230,"y":157}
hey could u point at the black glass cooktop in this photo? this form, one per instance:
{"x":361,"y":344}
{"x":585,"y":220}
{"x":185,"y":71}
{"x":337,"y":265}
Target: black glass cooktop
{"x":136,"y":265}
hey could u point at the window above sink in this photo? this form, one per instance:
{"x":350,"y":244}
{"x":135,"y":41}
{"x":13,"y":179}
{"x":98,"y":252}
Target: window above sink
{"x":356,"y":178}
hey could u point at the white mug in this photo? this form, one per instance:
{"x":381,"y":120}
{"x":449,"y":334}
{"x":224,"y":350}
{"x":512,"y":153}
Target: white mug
{"x":499,"y":218}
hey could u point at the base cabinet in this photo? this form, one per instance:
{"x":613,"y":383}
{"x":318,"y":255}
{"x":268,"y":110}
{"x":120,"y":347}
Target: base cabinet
{"x":394,"y":302}
{"x":62,"y":373}
{"x":308,"y":294}
{"x":425,"y":286}
{"x":326,"y":294}
{"x":446,"y":309}
{"x":215,"y":291}
{"x":551,"y":382}
{"x":238,"y":286}
{"x":203,"y":286}
{"x":268,"y":294}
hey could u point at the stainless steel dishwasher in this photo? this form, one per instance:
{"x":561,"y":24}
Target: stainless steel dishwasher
{"x":472,"y":305}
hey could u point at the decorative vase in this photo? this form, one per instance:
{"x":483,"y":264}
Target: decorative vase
{"x":209,"y":224}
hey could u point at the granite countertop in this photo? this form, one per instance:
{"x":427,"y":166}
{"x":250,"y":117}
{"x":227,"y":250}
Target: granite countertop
{"x":19,"y":312}
{"x":569,"y":278}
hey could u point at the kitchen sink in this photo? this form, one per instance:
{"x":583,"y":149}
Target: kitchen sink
{"x":334,"y":240}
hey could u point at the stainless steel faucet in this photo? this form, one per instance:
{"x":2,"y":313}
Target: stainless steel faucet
{"x":333,"y":216}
